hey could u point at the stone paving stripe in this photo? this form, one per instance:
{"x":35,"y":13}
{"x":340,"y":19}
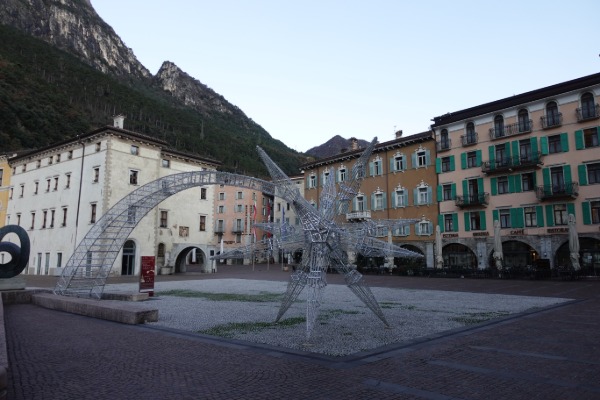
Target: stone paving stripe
{"x":537,"y":355}
{"x":513,"y":376}
{"x":400,"y":389}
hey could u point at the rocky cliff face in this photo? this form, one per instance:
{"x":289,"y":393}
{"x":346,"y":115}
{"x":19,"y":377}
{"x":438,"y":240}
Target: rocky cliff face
{"x":74,"y":26}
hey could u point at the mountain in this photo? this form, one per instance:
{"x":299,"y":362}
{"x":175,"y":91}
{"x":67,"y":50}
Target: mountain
{"x":336,"y":145}
{"x":64,"y":71}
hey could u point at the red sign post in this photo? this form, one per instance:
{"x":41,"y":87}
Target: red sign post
{"x":147,"y":275}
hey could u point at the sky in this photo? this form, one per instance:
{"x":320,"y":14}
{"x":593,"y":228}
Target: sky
{"x":309,"y":70}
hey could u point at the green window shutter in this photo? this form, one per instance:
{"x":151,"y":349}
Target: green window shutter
{"x":453,"y":191}
{"x":579,"y":143}
{"x":393,"y":164}
{"x":441,"y":222}
{"x":494,"y":182}
{"x":546,"y":176}
{"x":582,"y":172}
{"x":455,"y":222}
{"x":511,"y":184}
{"x":539,"y":216}
{"x":416,"y":196}
{"x":508,"y":152}
{"x":586,"y":211}
{"x":427,"y":157}
{"x":534,"y":146}
{"x":463,"y":160}
{"x":467,"y":221}
{"x":518,"y":184}
{"x":515,"y":150}
{"x":495,"y":215}
{"x":478,"y":158}
{"x":544,"y":145}
{"x":393,"y":199}
{"x":355,"y":204}
{"x":480,"y":185}
{"x":514,"y":217}
{"x":414,"y":160}
{"x":492,"y":153}
{"x":438,"y":165}
{"x":373,"y":203}
{"x":564,"y":142}
{"x":465,"y":185}
{"x":571,"y":208}
{"x":452,"y":165}
{"x":549,"y":214}
{"x":429,"y":195}
{"x":405,"y":198}
{"x":371,"y":169}
{"x":482,"y":220}
{"x":439,"y":193}
{"x":567,"y":174}
{"x":520,"y":217}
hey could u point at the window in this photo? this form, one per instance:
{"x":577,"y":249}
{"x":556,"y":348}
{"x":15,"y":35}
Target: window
{"x":399,"y":164}
{"x":527,"y":181}
{"x":36,"y":186}
{"x":400,"y":198}
{"x":424,"y":228}
{"x":593,"y":173}
{"x":48,"y":185}
{"x":98,"y":146}
{"x":560,"y":214}
{"x":220,"y":226}
{"x":50,"y":160}
{"x":446,"y":164}
{"x":38,"y":163}
{"x":501,"y":155}
{"x":93,"y":213}
{"x":55,"y":183}
{"x":595,"y":211}
{"x":312,"y":181}
{"x":239,"y":208}
{"x":70,"y":155}
{"x":44,"y":217}
{"x":475,"y":219}
{"x":558,"y":179}
{"x":447,"y":192}
{"x":131,"y":211}
{"x":52,"y":212}
{"x":202,"y":193}
{"x":221,"y":196}
{"x":590,"y":137}
{"x":68,"y":185}
{"x":325,"y":178}
{"x":238,"y":238}
{"x":1,"y":175}
{"x":448,"y":223}
{"x":379,"y":201}
{"x":239,"y":195}
{"x":202,"y":223}
{"x":64,"y":219}
{"x":421,"y":159}
{"x":423,"y":198}
{"x":135,"y":150}
{"x":32,"y":220}
{"x":360,"y":203}
{"x":58,"y":260}
{"x":471,"y":159}
{"x":471,"y":135}
{"x":163,"y":218}
{"x":530,"y":217}
{"x":502,"y":184}
{"x":166,"y":163}
{"x":19,"y":219}
{"x":22,"y":190}
{"x":523,"y":121}
{"x":342,"y":174}
{"x":221,"y":210}
{"x":552,"y":114}
{"x":24,"y":168}
{"x":58,"y":158}
{"x":10,"y":193}
{"x":554,"y":144}
{"x":133,"y":177}
{"x":588,"y":108}
{"x":377,"y":169}
{"x":498,"y":126}
{"x":444,"y":140}
{"x":505,"y":218}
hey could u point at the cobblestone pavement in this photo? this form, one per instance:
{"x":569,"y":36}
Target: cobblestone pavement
{"x":550,"y":354}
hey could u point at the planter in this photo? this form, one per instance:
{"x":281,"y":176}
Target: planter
{"x":166,"y":270}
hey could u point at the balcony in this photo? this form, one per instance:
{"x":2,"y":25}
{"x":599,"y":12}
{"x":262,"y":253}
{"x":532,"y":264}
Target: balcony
{"x":514,"y":163}
{"x":588,"y":113}
{"x":219,"y":230}
{"x":358,"y":216}
{"x":551,"y":120}
{"x":444,"y":145}
{"x":237,"y":229}
{"x":469,"y":139}
{"x":518,"y":128}
{"x":555,"y":192}
{"x":473,"y":200}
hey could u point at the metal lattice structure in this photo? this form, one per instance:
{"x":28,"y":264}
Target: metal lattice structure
{"x":326,"y":240}
{"x":88,"y":268}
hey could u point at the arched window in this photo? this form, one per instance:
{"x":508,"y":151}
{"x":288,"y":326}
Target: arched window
{"x":444,"y":140}
{"x":498,"y":126}
{"x":471,"y":137}
{"x":553,"y":117}
{"x":524,"y":122}
{"x":588,"y":108}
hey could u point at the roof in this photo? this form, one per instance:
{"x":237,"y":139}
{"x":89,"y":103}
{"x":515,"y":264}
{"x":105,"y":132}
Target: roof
{"x":392,"y":144}
{"x":534,"y":95}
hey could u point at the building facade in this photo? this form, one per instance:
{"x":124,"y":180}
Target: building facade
{"x":5,"y":172}
{"x":400,"y":183}
{"x":57,"y":193}
{"x":527,"y":161}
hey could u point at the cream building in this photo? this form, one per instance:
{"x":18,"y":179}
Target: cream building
{"x":58,"y":192}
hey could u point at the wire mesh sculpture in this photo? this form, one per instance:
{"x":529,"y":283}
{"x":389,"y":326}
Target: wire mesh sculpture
{"x":326,"y":240}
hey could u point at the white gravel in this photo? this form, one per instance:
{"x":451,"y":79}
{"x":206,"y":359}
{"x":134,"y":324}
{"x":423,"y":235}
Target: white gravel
{"x":345,"y":326}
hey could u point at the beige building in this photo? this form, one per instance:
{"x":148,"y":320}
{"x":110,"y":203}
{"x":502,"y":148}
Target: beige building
{"x":527,"y":161}
{"x":400,"y":183}
{"x":5,"y":172}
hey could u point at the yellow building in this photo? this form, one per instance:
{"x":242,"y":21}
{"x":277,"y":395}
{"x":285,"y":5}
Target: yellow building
{"x":5,"y":173}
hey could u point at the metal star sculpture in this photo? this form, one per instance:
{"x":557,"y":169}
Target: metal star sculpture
{"x":325,"y":239}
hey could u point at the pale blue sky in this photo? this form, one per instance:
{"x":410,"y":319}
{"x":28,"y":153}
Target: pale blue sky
{"x":308,"y":70}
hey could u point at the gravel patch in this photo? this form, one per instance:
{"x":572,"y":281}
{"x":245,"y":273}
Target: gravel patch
{"x":345,"y":325}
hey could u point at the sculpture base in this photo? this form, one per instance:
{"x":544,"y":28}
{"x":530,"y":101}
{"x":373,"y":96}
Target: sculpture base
{"x":14,"y":283}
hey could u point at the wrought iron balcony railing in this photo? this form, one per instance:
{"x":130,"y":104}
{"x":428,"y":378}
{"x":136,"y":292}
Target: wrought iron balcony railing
{"x":587,"y":113}
{"x":551,"y":120}
{"x":512,"y":163}
{"x":473,"y":200}
{"x":552,"y":192}
{"x":358,"y":215}
{"x":469,"y":139}
{"x":444,"y":145}
{"x":518,"y":128}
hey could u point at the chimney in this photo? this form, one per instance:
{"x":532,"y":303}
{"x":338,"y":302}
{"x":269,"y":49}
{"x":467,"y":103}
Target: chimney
{"x":118,"y":121}
{"x":353,"y":143}
{"x":399,"y":134}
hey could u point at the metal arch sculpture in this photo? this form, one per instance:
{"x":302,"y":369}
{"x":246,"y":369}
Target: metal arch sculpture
{"x":88,"y":268}
{"x":326,"y":239}
{"x":19,"y":255}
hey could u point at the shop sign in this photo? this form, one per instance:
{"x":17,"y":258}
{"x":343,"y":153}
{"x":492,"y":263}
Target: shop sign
{"x":517,"y":232}
{"x":147,"y":275}
{"x":558,"y":230}
{"x":450,"y":235}
{"x":485,"y":233}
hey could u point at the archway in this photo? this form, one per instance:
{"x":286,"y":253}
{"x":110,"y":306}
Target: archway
{"x":589,"y":256}
{"x":410,"y":266}
{"x":128,"y":263}
{"x":190,"y":259}
{"x":459,"y":257}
